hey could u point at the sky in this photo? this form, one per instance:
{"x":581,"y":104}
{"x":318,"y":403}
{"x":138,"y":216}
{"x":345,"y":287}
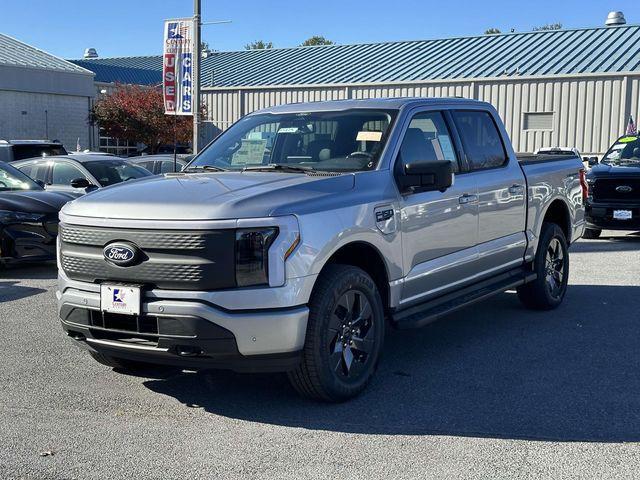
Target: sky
{"x":134,"y":27}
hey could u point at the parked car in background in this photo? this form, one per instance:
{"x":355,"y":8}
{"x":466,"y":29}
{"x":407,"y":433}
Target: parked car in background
{"x":559,"y":151}
{"x":158,"y":164}
{"x":28,"y":217}
{"x":614,"y":189}
{"x":80,"y":173}
{"x":290,"y":252}
{"x":13,"y":150}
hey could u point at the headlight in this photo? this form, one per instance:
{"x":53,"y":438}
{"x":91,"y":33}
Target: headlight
{"x":252,"y":255}
{"x":7,"y":216}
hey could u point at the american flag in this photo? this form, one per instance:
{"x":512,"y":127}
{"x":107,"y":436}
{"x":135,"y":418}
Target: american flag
{"x":631,"y":127}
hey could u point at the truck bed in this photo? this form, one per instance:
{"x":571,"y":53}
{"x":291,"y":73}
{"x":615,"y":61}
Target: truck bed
{"x":532,"y":158}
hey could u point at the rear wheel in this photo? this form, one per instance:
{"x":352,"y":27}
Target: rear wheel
{"x":345,"y":334}
{"x":552,"y":266}
{"x":591,"y":233}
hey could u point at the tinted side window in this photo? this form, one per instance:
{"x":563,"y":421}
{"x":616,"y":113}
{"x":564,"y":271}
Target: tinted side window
{"x":481,"y":139}
{"x":35,"y":171}
{"x":64,"y":173}
{"x":427,"y":139}
{"x":167,"y":166}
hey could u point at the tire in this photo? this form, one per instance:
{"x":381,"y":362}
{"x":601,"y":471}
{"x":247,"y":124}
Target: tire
{"x":591,"y":234}
{"x":120,"y":363}
{"x":547,"y":291}
{"x":345,"y":336}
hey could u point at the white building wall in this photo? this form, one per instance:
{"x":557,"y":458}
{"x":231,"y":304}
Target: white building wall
{"x":589,"y":112}
{"x":22,"y":116}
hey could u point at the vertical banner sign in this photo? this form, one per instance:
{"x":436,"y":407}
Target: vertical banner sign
{"x":177,"y":67}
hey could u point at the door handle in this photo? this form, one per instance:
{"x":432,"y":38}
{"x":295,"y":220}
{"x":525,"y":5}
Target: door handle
{"x":467,"y":198}
{"x":516,"y":189}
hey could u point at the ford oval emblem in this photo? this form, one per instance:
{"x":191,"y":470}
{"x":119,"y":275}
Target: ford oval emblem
{"x":624,"y":189}
{"x":120,"y":254}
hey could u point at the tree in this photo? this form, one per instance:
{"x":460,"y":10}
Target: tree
{"x":258,"y":45}
{"x":136,"y":114}
{"x":492,"y":31}
{"x":548,"y":26}
{"x":316,"y":40}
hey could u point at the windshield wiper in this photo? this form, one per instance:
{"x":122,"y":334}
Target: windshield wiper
{"x":278,"y":167}
{"x":204,"y":168}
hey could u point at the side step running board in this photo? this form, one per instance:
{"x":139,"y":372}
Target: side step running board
{"x":430,"y":311}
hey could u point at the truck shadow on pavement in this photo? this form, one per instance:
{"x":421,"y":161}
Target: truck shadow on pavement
{"x":493,"y":370}
{"x":12,"y":291}
{"x":608,"y":244}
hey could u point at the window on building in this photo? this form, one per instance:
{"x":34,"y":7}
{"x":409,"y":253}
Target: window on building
{"x":121,"y":148}
{"x":537,"y":121}
{"x":481,"y":139}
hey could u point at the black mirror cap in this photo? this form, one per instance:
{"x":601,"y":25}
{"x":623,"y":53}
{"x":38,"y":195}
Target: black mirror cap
{"x":427,"y":176}
{"x":80,"y":183}
{"x":592,"y":161}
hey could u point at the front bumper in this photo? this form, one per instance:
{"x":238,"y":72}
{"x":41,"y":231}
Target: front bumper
{"x":600,"y":216}
{"x":186,"y":333}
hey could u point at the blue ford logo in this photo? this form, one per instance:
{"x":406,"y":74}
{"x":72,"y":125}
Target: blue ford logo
{"x":120,"y":254}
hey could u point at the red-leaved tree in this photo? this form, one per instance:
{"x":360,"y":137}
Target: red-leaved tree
{"x":136,"y":114}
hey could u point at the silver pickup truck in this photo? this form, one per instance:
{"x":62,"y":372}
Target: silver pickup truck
{"x":294,"y":237}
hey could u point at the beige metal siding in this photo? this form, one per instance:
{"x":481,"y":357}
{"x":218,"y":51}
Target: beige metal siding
{"x":588,"y":112}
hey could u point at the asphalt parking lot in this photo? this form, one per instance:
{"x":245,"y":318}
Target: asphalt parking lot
{"x":494,"y":391}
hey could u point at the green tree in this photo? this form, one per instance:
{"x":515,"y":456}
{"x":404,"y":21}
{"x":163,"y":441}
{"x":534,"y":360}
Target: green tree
{"x":492,"y":31}
{"x":548,"y":26}
{"x":258,"y":45}
{"x":316,"y":40}
{"x":136,"y":114}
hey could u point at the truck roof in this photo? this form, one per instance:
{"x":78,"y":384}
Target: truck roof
{"x":393,"y":103}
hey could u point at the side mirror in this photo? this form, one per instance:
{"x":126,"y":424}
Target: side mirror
{"x":427,"y":175}
{"x":80,"y":183}
{"x":592,"y":161}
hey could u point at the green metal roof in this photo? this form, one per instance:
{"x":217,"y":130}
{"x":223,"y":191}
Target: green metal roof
{"x":18,"y":54}
{"x":545,"y":53}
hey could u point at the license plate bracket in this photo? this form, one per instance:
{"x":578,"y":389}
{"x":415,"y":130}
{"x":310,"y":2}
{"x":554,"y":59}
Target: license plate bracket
{"x":123,"y":299}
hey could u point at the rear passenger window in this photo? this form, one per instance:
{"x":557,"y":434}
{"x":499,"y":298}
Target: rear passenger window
{"x":427,"y":139}
{"x":481,"y":139}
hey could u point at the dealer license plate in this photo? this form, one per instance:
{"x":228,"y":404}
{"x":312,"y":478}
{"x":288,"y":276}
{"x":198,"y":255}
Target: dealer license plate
{"x":120,"y":299}
{"x":622,"y":214}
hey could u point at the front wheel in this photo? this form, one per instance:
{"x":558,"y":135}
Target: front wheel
{"x":552,"y":266}
{"x":345,"y":334}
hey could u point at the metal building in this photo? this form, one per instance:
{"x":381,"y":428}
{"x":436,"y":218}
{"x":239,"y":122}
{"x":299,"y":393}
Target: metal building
{"x":43,"y":96}
{"x":552,"y":88}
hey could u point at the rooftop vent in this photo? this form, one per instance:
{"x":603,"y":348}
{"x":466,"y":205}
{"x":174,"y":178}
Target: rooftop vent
{"x":90,"y":53}
{"x":614,"y":19}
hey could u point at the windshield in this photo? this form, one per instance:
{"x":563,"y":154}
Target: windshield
{"x":325,"y":141}
{"x":625,"y":151}
{"x":12,"y":179}
{"x":29,"y":151}
{"x":110,"y":172}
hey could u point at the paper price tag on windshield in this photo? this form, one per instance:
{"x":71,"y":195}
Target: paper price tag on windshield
{"x":251,"y":152}
{"x":369,"y":136}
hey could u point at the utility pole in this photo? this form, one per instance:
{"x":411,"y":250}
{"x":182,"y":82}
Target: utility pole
{"x":196,"y":74}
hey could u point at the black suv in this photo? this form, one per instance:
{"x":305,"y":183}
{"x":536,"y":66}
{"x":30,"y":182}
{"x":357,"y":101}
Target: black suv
{"x":13,"y":150}
{"x":614,"y":189}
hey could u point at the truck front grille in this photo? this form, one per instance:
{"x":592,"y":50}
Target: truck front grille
{"x":180,"y":260}
{"x":607,"y":190}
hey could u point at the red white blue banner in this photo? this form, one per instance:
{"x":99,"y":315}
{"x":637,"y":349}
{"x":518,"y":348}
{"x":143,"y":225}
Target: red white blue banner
{"x":177,"y":66}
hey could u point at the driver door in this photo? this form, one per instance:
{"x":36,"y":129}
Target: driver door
{"x":439,"y":229}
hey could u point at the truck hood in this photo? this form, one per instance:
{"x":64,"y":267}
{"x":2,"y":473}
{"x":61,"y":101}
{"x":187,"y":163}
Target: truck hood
{"x":604,"y":170}
{"x":209,"y":196}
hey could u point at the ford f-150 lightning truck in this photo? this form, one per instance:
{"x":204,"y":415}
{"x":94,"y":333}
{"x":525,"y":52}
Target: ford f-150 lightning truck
{"x":293,"y":238}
